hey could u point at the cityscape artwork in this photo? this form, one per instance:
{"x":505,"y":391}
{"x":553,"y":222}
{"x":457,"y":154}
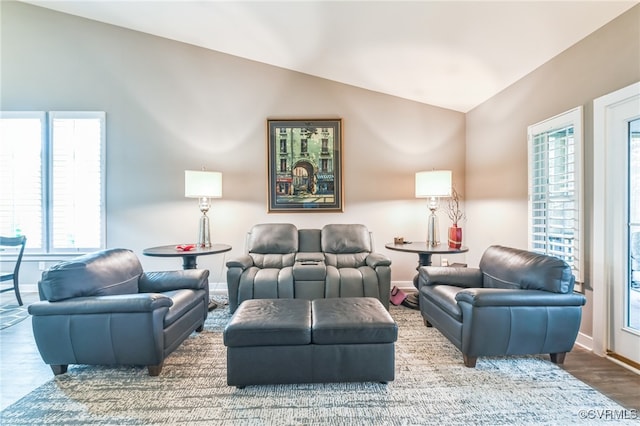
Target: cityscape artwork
{"x":305,"y":165}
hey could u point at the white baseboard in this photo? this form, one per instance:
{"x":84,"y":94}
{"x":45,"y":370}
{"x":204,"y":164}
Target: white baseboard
{"x":214,"y":288}
{"x":28,"y":288}
{"x":218,"y":289}
{"x":584,"y":341}
{"x":406,"y":286}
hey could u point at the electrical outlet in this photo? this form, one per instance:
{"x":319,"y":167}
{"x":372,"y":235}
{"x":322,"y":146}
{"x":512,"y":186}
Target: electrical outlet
{"x":444,"y":262}
{"x":41,"y":266}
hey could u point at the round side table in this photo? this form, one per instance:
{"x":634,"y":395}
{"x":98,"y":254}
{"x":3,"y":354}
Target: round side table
{"x":424,"y":252}
{"x":188,"y":257}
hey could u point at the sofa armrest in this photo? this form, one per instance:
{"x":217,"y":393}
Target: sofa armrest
{"x":377,"y":259}
{"x":515,"y":297}
{"x":122,"y":303}
{"x":159,"y":282}
{"x":460,"y":277}
{"x":243,"y":262}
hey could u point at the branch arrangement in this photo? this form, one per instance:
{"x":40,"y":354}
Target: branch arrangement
{"x":453,"y":208}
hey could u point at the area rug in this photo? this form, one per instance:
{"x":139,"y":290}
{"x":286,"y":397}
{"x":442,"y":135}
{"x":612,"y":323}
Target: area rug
{"x":432,"y":386}
{"x":12,"y":313}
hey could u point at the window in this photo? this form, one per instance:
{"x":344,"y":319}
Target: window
{"x":52,"y":179}
{"x":555,"y":188}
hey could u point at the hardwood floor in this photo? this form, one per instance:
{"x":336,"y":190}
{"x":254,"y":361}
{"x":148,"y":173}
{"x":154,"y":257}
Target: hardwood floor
{"x":611,"y":379}
{"x":22,"y":369}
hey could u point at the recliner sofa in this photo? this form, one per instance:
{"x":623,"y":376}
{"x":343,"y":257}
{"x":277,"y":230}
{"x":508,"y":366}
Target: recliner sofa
{"x":283,"y":261}
{"x":102,"y":309}
{"x":516,"y":303}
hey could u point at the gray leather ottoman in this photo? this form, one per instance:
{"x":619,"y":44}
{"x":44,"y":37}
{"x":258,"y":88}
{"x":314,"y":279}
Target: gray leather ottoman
{"x":275,"y":341}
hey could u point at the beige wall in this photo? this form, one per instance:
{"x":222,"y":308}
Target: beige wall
{"x":171,"y":106}
{"x":496,"y":140}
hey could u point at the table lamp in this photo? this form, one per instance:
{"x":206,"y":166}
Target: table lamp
{"x":203,"y":185}
{"x":433,"y":185}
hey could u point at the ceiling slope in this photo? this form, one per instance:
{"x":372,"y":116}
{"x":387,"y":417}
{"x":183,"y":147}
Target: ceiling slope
{"x":451,"y":54}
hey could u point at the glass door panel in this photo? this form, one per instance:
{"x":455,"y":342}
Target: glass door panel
{"x":633,"y":288}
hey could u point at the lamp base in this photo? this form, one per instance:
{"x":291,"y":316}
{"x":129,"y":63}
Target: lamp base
{"x":204,"y":235}
{"x":433,"y":237}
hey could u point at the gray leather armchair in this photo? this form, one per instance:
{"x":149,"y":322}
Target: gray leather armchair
{"x":516,"y":303}
{"x":285,"y":262}
{"x":102,"y":309}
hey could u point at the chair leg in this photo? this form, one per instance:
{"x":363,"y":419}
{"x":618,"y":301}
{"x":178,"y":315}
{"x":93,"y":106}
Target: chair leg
{"x":558,"y":358}
{"x":154,"y":370}
{"x":59,"y":369}
{"x":469,"y":361}
{"x":17,"y":290}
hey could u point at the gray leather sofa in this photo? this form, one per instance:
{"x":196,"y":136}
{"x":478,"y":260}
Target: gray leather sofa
{"x":516,"y":303}
{"x":102,"y":309}
{"x":285,"y":262}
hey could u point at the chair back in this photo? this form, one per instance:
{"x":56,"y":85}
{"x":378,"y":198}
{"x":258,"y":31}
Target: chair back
{"x":346,"y":245}
{"x":511,"y":268}
{"x":12,"y":242}
{"x":101,"y":273}
{"x":273,"y":238}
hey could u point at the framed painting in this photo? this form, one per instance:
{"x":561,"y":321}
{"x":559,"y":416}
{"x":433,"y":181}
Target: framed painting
{"x":305,"y":165}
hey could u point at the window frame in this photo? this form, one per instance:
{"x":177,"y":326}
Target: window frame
{"x":47,"y":118}
{"x":571,"y":118}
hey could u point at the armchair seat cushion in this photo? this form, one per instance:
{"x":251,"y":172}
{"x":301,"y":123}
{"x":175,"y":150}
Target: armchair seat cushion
{"x":444,"y":296}
{"x":182,"y":302}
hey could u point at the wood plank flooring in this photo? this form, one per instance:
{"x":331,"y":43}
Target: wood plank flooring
{"x":611,"y":379}
{"x":22,"y":369}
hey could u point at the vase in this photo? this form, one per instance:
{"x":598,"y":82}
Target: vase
{"x":455,"y":237}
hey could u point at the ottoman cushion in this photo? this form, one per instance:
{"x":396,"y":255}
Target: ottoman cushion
{"x":270,"y":322}
{"x":351,"y":320}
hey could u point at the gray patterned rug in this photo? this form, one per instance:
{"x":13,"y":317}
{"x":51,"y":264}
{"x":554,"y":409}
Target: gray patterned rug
{"x":432,"y":386}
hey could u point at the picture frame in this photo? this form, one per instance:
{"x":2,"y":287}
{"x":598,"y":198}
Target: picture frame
{"x":305,"y":165}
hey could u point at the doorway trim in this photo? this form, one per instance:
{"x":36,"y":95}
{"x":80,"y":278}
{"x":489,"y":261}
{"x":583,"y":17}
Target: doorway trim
{"x":601,"y":241}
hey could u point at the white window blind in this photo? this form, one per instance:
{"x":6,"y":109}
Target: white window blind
{"x":52,"y":187}
{"x":555,"y":188}
{"x":21,"y":192}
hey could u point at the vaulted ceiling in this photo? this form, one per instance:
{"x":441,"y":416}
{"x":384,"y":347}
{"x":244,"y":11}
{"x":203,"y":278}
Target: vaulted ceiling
{"x":452,"y":54}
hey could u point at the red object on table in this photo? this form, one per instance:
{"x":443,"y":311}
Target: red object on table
{"x":185,"y":247}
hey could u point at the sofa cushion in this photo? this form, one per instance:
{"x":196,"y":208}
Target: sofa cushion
{"x":505,"y":267}
{"x":273,"y":238}
{"x":346,"y":260}
{"x":277,"y":261}
{"x":345,"y":238}
{"x":103,"y":273}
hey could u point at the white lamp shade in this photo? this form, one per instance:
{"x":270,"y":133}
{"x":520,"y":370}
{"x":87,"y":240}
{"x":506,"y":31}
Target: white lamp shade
{"x":436,"y":183}
{"x":199,"y":184}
